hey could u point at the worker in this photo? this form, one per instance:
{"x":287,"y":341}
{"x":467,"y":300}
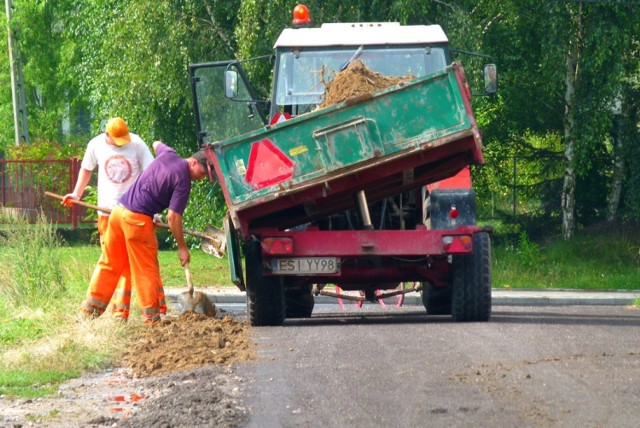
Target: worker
{"x":130,"y":241}
{"x":120,"y":156}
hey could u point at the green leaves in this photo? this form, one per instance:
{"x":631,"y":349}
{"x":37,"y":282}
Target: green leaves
{"x":86,"y":61}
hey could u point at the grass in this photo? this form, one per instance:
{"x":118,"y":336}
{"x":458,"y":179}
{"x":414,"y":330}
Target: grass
{"x":26,"y":383}
{"x":35,"y":364}
{"x":608,"y":260}
{"x":206,"y":270}
{"x":43,"y":282}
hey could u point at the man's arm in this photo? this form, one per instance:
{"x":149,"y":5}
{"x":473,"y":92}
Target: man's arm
{"x":84,"y":176}
{"x":175,"y":224}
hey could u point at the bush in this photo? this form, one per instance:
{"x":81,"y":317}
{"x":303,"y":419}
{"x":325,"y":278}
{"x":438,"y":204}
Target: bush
{"x":528,"y":252}
{"x":45,"y":149}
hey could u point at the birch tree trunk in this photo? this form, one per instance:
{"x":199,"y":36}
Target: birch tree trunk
{"x":569,"y":184}
{"x":618,"y":170}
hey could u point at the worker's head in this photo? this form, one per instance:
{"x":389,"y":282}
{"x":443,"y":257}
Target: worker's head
{"x":199,"y":166}
{"x":117,"y":132}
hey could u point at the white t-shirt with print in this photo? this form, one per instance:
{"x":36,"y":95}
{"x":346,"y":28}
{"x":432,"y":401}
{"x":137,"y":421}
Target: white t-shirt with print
{"x":118,"y":167}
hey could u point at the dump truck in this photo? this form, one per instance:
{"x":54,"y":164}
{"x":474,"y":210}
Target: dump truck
{"x":365,"y":199}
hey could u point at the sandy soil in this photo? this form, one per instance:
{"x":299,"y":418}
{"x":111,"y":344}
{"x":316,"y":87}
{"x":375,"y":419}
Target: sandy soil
{"x":187,"y":342}
{"x":355,"y":81}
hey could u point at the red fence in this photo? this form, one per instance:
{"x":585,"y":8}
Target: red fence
{"x":23,"y":183}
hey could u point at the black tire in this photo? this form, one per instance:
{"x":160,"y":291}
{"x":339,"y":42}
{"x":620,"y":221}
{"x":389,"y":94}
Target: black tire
{"x":436,"y":300}
{"x":471,"y":300}
{"x":299,"y":302}
{"x":265,"y":295}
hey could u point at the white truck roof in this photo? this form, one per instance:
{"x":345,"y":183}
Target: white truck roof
{"x":356,"y":34}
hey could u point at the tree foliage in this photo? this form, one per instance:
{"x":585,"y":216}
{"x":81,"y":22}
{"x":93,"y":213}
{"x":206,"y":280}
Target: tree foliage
{"x":86,"y":61}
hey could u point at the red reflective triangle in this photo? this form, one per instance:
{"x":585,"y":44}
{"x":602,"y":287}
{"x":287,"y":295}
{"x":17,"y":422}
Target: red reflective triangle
{"x":456,"y":247}
{"x":279,"y":117}
{"x":268,"y":165}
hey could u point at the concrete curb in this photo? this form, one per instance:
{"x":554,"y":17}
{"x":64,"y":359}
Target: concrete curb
{"x":499,"y":297}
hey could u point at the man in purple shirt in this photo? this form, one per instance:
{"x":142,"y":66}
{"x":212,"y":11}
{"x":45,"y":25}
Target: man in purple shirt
{"x":130,"y":239}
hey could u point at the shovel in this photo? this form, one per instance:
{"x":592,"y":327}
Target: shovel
{"x":213,"y":242}
{"x":197,"y":301}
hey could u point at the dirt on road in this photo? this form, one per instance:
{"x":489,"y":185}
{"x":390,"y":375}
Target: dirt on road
{"x":177,"y":373}
{"x":186,"y":342}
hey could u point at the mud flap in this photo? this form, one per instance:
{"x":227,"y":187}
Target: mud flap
{"x":233,"y":252}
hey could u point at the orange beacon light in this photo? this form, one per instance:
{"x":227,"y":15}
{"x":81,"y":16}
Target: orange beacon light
{"x":301,"y":15}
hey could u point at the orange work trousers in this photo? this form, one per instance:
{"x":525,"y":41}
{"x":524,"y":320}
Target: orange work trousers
{"x":129,"y":244}
{"x":121,"y":299}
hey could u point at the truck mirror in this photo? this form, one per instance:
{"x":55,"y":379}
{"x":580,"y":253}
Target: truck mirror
{"x":231,"y":84}
{"x":490,"y":72}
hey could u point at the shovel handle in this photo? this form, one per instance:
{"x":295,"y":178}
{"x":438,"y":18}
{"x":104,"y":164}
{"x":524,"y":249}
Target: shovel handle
{"x":79,"y":202}
{"x":108,"y":211}
{"x":187,"y":274}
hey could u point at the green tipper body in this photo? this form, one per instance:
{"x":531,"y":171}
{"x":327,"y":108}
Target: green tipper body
{"x":290,"y":171}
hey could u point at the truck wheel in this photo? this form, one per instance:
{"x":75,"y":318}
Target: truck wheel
{"x":299,"y":302}
{"x":436,"y":300}
{"x":265,"y":295}
{"x":471,"y":299}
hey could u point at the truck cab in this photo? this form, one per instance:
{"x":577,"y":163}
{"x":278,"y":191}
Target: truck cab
{"x":307,"y":58}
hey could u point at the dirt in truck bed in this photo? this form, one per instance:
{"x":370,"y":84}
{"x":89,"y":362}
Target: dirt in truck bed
{"x":356,"y":80}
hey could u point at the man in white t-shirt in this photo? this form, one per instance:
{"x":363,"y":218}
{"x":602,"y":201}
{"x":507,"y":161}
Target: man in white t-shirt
{"x":120,"y":157}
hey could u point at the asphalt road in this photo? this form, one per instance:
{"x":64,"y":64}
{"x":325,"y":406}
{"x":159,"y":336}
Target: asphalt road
{"x":527,"y":367}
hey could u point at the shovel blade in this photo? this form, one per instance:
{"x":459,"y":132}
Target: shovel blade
{"x":198,"y":303}
{"x":216,"y":243}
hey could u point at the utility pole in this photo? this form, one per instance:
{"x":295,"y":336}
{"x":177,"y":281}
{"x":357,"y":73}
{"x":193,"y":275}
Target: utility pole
{"x":17,"y":86}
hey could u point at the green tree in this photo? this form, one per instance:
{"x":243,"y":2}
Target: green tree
{"x":562,"y":67}
{"x":6,"y":102}
{"x":559,"y":77}
{"x":87,"y":61}
{"x":594,"y":75}
{"x":629,"y":132}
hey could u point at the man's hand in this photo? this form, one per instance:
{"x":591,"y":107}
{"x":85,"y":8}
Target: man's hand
{"x":184,"y":256}
{"x":68,"y":199}
{"x":155,"y":146}
{"x":175,"y":224}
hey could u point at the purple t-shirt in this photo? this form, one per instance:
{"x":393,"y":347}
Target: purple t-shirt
{"x":165,"y":183}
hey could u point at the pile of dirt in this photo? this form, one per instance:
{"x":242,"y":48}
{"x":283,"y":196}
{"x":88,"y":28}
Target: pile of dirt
{"x":357,"y":80}
{"x":205,"y":397}
{"x":186,"y":342}
{"x":177,"y":373}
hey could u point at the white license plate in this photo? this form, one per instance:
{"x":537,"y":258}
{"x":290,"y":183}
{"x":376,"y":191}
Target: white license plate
{"x":304,"y":265}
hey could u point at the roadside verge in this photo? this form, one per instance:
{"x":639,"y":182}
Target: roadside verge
{"x":499,"y":296}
